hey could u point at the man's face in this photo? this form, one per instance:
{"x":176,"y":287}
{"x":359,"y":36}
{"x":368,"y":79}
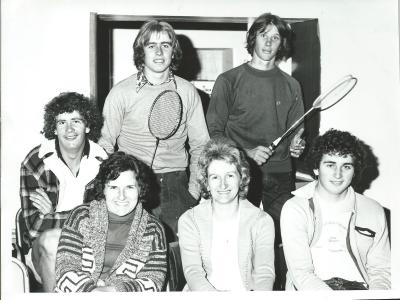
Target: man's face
{"x":335,"y":173}
{"x":158,"y":53}
{"x":71,"y":131}
{"x":267,"y":44}
{"x":122,"y":194}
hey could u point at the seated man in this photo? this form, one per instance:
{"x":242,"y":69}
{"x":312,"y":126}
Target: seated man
{"x":333,"y":237}
{"x":112,"y":244}
{"x":54,"y":175}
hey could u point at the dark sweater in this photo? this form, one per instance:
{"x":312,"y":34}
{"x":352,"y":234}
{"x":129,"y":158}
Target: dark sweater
{"x":254,"y":107}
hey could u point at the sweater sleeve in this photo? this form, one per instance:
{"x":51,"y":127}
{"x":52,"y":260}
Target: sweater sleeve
{"x":378,"y":257}
{"x":113,"y":113}
{"x":198,"y":137}
{"x":264,"y":269}
{"x":297,"y":250}
{"x":218,"y":109}
{"x":189,"y":244}
{"x":71,"y":274}
{"x":297,"y":109}
{"x":152,"y":276}
{"x":33,"y":176}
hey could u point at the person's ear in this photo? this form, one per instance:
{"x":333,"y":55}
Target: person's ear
{"x":87,"y":129}
{"x":316,"y":172}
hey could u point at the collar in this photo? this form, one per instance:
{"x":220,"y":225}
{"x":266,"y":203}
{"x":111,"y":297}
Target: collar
{"x":308,"y":192}
{"x":49,"y":147}
{"x":86,"y":149}
{"x":141,"y":80}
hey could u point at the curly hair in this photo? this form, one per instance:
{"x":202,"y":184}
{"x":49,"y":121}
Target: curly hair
{"x":112,"y":167}
{"x":222,"y":148}
{"x":260,"y":24}
{"x":67,"y":103}
{"x":143,"y":38}
{"x":336,"y":142}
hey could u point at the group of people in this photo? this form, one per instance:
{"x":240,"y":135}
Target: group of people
{"x":85,"y":190}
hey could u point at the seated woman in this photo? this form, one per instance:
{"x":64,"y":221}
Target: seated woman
{"x":226,"y":243}
{"x":112,"y":243}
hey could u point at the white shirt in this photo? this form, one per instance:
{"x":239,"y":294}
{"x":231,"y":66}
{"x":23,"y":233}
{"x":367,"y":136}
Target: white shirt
{"x":330,"y":255}
{"x":225,"y":274}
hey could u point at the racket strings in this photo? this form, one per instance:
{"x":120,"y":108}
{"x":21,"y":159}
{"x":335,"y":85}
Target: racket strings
{"x":165,"y":115}
{"x":335,"y":94}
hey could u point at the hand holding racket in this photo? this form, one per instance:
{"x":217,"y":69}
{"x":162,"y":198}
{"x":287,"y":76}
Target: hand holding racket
{"x":165,"y":117}
{"x":324,"y":101}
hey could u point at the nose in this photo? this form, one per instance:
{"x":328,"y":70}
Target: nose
{"x":223,"y":183}
{"x":158,"y":50}
{"x":338,"y":172}
{"x":69,"y":126}
{"x":268,"y":41}
{"x":121,"y":194}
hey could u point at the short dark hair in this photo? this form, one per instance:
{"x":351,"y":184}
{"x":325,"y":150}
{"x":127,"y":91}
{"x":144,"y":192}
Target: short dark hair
{"x":112,"y":167}
{"x":69,"y":102}
{"x":221,"y":148}
{"x":284,"y":30}
{"x":336,"y":142}
{"x":143,"y":38}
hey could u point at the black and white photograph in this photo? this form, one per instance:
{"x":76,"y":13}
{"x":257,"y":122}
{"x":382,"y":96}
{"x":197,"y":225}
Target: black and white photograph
{"x":180,"y":146}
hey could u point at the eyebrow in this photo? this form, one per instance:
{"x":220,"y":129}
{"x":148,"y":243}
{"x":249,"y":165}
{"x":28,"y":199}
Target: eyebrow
{"x":154,"y":43}
{"x":334,"y":162}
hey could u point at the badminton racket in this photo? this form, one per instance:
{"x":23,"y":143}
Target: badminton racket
{"x":324,"y":101}
{"x":165,"y":117}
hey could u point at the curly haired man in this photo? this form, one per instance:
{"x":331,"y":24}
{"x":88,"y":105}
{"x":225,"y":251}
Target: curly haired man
{"x":54,"y":175}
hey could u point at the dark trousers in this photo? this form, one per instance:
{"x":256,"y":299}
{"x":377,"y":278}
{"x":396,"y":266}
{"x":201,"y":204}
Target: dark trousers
{"x":273,"y":190}
{"x":171,"y":199}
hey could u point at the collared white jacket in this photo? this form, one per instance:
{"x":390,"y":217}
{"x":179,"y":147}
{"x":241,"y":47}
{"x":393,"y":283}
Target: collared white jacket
{"x":367,"y":239}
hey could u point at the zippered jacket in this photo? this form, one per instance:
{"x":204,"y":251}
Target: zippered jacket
{"x":367,"y":240}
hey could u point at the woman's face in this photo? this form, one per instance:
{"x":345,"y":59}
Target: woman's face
{"x":223,"y":181}
{"x":122,"y":194}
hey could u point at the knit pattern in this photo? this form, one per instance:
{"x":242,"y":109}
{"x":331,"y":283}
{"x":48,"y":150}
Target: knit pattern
{"x":141,"y":266}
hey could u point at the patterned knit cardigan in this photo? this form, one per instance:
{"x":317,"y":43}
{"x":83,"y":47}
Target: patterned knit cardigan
{"x":141,"y":266}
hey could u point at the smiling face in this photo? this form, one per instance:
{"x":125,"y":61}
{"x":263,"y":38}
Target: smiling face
{"x":71,"y":131}
{"x":122,"y":194}
{"x":223,"y":181}
{"x":157,"y":54}
{"x":267,"y":45}
{"x":335,"y":174}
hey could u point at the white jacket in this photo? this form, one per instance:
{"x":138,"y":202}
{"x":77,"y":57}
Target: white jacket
{"x":367,"y":240}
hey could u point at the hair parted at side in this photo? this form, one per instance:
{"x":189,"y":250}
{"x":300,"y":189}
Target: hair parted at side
{"x":284,"y":30}
{"x":69,"y":102}
{"x":112,"y":167}
{"x":336,"y":142}
{"x":222,"y":148}
{"x":143,"y":37}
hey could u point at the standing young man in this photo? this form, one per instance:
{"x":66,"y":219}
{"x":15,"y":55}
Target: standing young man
{"x":331,"y":234}
{"x":255,"y":103}
{"x":54,"y":176}
{"x":156,"y":55}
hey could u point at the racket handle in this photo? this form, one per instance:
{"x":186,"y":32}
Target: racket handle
{"x":272,"y":147}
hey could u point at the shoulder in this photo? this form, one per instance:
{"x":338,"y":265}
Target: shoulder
{"x":196,"y":215}
{"x":125,"y":83}
{"x":254,"y":214}
{"x":153,"y":222}
{"x":97,"y":152}
{"x":232,"y":74}
{"x":183,"y":84}
{"x":32,"y":158}
{"x":368,"y":207}
{"x":126,"y":86}
{"x":294,"y":206}
{"x":289,"y":79}
{"x":78,"y":214}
